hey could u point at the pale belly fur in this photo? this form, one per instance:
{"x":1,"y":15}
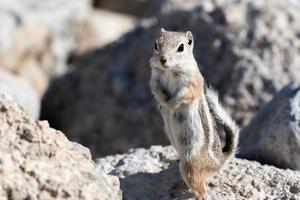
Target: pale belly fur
{"x":183,"y":127}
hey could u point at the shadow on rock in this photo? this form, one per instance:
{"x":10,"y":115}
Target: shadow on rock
{"x":166,"y":184}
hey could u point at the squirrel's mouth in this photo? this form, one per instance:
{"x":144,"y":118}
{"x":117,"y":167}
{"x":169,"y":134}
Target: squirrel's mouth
{"x":165,"y":66}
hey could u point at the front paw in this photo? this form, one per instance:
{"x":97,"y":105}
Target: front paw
{"x":172,"y":104}
{"x":166,"y":96}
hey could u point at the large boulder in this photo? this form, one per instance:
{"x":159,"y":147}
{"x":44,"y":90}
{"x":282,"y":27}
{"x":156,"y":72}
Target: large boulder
{"x":38,"y":162}
{"x":273,"y":137}
{"x":153,"y":174}
{"x":234,"y":47}
{"x":22,"y":93}
{"x":36,"y":37}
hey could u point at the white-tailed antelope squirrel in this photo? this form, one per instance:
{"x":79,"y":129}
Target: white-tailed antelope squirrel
{"x":191,"y":112}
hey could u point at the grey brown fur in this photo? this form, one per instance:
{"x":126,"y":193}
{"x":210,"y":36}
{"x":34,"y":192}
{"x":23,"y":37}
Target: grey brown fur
{"x":191,"y":112}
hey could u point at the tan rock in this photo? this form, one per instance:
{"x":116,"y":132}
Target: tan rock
{"x":29,"y":55}
{"x":38,"y":162}
{"x":38,"y":37}
{"x":32,"y":72}
{"x":101,"y":28}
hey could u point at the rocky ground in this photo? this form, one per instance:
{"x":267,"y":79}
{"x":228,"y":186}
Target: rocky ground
{"x":153,"y":174}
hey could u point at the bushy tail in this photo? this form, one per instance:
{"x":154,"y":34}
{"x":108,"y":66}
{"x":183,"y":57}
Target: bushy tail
{"x":220,"y":115}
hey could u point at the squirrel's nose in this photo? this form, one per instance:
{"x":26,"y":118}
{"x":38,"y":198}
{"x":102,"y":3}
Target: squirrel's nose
{"x":163,"y":59}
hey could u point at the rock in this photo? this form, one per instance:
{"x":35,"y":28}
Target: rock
{"x":22,"y":93}
{"x":101,"y":28}
{"x":38,"y":162}
{"x":29,"y":54}
{"x":268,"y":51}
{"x":150,"y":8}
{"x":153,"y":174}
{"x":109,"y":87}
{"x":39,"y":37}
{"x":273,"y":136}
{"x":139,"y":160}
{"x":133,"y":7}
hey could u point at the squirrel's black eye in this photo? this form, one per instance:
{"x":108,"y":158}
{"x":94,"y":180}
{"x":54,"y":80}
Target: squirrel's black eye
{"x":180,"y":48}
{"x":155,"y":46}
{"x":190,"y":42}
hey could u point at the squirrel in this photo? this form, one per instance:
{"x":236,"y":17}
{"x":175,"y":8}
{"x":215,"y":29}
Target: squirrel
{"x":191,"y":111}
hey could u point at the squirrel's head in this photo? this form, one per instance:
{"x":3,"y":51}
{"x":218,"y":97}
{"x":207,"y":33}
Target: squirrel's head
{"x":172,"y":50}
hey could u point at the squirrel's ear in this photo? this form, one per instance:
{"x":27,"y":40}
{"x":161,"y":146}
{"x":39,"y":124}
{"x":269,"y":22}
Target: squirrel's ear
{"x":162,"y":30}
{"x":189,"y":35}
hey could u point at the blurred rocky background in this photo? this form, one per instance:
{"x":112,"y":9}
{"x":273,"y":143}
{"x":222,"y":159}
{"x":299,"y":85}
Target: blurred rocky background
{"x":82,"y":65}
{"x":247,"y":50}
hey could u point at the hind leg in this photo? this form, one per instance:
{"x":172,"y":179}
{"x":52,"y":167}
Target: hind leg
{"x":199,"y":187}
{"x":195,"y":180}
